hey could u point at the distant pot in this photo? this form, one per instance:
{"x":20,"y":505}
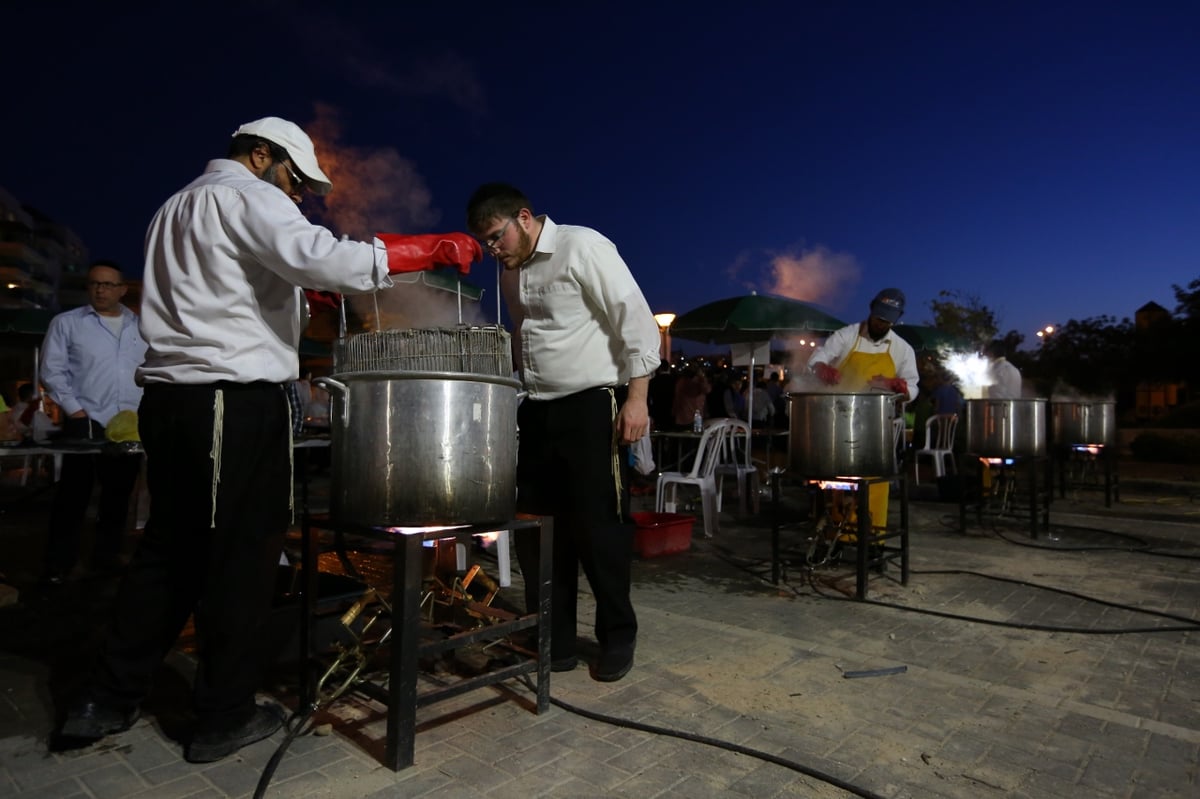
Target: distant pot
{"x":1083,"y":422}
{"x":1006,"y":428}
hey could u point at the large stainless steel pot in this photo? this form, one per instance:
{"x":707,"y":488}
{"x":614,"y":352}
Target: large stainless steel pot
{"x":422,"y":448}
{"x":1083,"y":422}
{"x":842,"y":435}
{"x":1006,"y":428}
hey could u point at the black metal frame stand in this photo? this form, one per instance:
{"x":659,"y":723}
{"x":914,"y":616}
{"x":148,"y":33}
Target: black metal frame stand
{"x":1034,"y":495}
{"x":870,"y":551}
{"x":407,"y":647}
{"x":1107,"y":456}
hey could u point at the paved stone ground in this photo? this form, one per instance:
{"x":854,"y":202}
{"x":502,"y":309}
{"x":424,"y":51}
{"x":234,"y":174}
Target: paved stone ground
{"x":1104,"y":702}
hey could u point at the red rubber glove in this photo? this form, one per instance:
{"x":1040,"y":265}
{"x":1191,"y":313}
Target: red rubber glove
{"x":898,"y":385}
{"x":827,"y":374}
{"x":430,"y":250}
{"x":318,"y":299}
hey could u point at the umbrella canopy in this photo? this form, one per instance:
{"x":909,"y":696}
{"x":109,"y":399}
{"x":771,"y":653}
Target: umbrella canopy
{"x":930,"y":338}
{"x":751,"y":318}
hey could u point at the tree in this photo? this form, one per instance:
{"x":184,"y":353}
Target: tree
{"x":965,"y":316}
{"x":1090,"y":357}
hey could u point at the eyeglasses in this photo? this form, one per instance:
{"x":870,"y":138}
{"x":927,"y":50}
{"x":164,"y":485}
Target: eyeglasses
{"x":104,"y":284}
{"x":493,"y":240}
{"x":297,"y":183}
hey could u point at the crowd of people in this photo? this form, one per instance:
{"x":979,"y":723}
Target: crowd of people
{"x":677,"y":395}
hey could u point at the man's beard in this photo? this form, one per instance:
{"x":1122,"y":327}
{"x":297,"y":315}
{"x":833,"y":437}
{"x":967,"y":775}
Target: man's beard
{"x":523,"y":251}
{"x":271,"y":175}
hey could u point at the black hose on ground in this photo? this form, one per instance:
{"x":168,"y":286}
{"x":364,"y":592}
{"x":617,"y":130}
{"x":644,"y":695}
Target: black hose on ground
{"x":714,"y":742}
{"x":295,"y":725}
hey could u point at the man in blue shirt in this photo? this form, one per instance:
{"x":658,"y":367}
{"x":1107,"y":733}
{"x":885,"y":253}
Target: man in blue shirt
{"x":88,"y":360}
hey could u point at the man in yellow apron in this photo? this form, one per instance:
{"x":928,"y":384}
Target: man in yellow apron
{"x":870,"y":356}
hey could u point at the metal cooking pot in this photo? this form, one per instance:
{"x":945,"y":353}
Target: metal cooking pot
{"x":842,"y":435}
{"x":1083,"y":422}
{"x":1006,"y":428}
{"x":422,"y":448}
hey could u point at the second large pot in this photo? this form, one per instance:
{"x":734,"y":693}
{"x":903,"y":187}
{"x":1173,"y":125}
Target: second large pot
{"x":1006,"y":428}
{"x":422,"y":448}
{"x":1083,"y":422}
{"x":836,"y":435}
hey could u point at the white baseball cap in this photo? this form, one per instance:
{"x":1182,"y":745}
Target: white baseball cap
{"x":290,"y":137}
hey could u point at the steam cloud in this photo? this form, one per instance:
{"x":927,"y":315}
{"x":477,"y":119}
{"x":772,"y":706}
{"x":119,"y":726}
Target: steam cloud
{"x":816,"y":275}
{"x":378,"y":190}
{"x":374,"y":189}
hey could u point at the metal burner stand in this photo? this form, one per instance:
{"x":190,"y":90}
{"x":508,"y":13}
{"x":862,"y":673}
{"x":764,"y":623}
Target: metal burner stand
{"x":401,"y":695}
{"x":1068,"y":455}
{"x":1007,"y":476}
{"x":870,"y":551}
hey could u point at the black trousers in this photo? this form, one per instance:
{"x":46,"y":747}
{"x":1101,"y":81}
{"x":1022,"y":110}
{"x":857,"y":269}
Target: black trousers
{"x":565,"y":469}
{"x":116,"y":474}
{"x":219,"y":474}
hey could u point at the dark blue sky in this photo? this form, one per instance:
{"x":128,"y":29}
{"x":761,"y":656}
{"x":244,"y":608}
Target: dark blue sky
{"x":1042,"y":156}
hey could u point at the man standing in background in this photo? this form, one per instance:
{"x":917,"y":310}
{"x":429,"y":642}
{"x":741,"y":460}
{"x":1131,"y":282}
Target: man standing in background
{"x":88,"y":361}
{"x":582,"y":330}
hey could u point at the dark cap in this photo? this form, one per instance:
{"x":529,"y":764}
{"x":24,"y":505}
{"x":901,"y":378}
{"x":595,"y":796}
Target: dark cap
{"x":888,"y":305}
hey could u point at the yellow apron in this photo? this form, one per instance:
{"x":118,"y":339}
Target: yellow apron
{"x":857,"y":370}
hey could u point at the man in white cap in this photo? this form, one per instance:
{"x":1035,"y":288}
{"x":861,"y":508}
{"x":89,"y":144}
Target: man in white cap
{"x":222,"y":314}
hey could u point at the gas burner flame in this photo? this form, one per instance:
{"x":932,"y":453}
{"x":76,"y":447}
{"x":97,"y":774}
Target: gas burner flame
{"x":1090,"y":449}
{"x":835,"y":485}
{"x":487,"y":538}
{"x":423,"y":530}
{"x":971,"y":372}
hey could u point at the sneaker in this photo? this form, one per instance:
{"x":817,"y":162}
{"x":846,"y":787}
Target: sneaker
{"x":208,"y":747}
{"x":91,"y":720}
{"x":614,"y":663}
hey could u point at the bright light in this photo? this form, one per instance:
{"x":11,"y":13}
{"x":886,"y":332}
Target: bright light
{"x":972,"y":372}
{"x":1045,"y":331}
{"x":664,"y":320}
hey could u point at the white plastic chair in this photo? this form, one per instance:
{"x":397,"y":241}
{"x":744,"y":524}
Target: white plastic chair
{"x":702,"y":475}
{"x":939,"y":444}
{"x":736,"y":462}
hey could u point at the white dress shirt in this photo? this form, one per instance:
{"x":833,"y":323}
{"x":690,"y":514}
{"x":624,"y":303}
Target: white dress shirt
{"x":225,"y":257}
{"x":580,"y":318}
{"x":1006,"y":380}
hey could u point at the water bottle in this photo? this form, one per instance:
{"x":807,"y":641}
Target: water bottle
{"x":697,"y":422}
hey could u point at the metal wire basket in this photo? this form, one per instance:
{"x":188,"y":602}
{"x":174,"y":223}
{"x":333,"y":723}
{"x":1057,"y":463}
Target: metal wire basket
{"x":481,"y":350}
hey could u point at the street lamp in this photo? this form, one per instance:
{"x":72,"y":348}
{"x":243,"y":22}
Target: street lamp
{"x":664,"y":320}
{"x":1045,"y":332}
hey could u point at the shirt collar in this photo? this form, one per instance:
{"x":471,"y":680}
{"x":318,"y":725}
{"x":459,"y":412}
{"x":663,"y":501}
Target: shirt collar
{"x":548,"y":238}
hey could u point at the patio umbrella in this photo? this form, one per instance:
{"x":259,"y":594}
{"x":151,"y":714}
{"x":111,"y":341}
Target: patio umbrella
{"x":753,"y":318}
{"x":931,"y":338}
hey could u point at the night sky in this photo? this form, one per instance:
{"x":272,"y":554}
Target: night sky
{"x":1043,"y":156}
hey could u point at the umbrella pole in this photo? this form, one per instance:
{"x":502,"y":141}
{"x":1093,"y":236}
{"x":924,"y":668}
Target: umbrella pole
{"x":750,"y":393}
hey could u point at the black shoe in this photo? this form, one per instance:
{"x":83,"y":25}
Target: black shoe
{"x":207,"y":747}
{"x":92,"y":720}
{"x":567,"y":663}
{"x":614,"y":663}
